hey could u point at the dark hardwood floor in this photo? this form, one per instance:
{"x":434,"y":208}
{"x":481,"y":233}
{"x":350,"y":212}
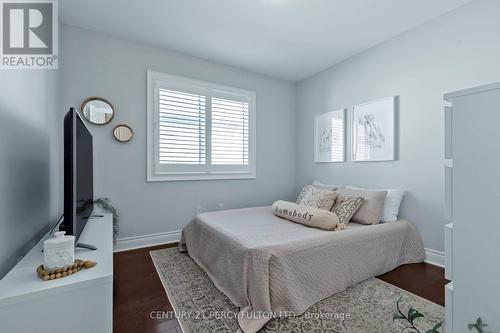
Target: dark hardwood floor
{"x":424,"y":280}
{"x":138,"y":290}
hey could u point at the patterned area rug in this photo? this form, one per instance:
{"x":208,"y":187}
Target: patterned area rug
{"x":367,"y":307}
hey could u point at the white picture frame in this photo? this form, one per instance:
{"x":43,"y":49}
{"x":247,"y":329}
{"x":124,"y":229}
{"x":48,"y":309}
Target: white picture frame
{"x":330,"y":137}
{"x":373,"y":130}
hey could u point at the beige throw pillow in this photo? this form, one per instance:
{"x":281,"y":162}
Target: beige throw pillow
{"x":317,"y":197}
{"x":372,"y":207}
{"x":345,"y":207}
{"x":306,"y":215}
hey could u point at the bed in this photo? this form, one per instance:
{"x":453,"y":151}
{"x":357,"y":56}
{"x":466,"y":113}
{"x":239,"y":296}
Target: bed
{"x":265,"y":264}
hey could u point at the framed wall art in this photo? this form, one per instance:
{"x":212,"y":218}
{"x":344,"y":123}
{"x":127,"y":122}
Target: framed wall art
{"x":329,"y":137}
{"x":373,"y":130}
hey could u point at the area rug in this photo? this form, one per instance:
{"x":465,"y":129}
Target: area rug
{"x":367,"y":307}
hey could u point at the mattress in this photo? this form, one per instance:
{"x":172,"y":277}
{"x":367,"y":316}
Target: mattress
{"x":269,"y":266}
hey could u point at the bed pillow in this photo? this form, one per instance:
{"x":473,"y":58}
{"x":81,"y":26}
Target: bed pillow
{"x":391,"y":204}
{"x":326,"y":186}
{"x":345,"y":207}
{"x":317,"y":197}
{"x":306,"y":215}
{"x":372,"y":207}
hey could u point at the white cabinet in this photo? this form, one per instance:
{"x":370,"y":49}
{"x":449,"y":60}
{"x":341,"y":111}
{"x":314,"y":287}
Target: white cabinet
{"x":82,"y":302}
{"x":472,"y":150}
{"x":448,"y":251}
{"x":448,"y":299}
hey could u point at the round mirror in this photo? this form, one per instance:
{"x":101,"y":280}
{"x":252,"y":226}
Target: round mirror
{"x":97,"y":110}
{"x":123,"y":133}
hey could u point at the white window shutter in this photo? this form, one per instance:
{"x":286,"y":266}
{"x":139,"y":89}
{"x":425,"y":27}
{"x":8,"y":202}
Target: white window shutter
{"x":181,"y":128}
{"x":229,"y":141}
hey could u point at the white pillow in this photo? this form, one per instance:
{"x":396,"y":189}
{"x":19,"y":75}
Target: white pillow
{"x":391,"y":205}
{"x":326,"y":186}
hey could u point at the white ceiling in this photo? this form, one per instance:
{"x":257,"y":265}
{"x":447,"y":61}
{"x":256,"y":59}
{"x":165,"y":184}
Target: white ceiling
{"x":289,"y":39}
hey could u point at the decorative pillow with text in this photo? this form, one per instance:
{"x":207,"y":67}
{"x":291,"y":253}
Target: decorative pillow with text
{"x":306,"y":215}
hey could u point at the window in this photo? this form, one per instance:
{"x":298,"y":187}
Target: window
{"x":199,"y":130}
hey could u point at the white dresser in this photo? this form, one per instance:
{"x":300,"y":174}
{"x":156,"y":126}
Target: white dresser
{"x":82,"y":302}
{"x":472,"y":187}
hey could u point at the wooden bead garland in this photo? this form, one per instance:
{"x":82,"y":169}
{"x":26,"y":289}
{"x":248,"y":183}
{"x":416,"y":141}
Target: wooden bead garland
{"x":77,"y":266}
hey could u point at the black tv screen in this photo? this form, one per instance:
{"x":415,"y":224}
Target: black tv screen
{"x":78,"y":174}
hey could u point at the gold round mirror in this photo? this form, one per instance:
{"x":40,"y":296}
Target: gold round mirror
{"x":123,"y":133}
{"x":98,"y":110}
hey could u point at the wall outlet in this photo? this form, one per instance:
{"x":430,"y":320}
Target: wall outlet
{"x":221,"y":206}
{"x":199,"y":209}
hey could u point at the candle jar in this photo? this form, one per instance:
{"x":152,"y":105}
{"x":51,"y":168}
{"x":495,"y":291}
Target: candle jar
{"x":59,"y":251}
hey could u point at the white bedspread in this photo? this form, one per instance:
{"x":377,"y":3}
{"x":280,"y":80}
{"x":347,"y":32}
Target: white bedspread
{"x":265,"y":264}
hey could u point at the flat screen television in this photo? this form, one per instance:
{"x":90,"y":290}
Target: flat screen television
{"x":78,"y":174}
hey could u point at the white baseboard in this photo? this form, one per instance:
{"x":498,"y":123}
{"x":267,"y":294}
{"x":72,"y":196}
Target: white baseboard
{"x":434,"y":257}
{"x":136,"y":242}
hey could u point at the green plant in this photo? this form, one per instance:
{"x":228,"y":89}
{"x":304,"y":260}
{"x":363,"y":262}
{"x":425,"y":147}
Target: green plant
{"x":410,"y":318}
{"x":479,"y":326}
{"x":105,"y":204}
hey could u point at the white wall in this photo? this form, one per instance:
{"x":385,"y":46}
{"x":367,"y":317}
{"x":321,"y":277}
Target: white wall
{"x":458,"y":50}
{"x":99,"y":65}
{"x":30,"y":180}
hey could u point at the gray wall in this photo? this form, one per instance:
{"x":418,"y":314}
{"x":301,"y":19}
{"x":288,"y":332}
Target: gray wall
{"x":30,"y":139}
{"x":458,"y":50}
{"x":99,"y":65}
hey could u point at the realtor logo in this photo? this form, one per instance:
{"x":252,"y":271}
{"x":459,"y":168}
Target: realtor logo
{"x":29,"y":34}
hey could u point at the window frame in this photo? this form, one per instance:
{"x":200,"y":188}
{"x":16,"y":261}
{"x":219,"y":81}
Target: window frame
{"x":180,"y":172}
